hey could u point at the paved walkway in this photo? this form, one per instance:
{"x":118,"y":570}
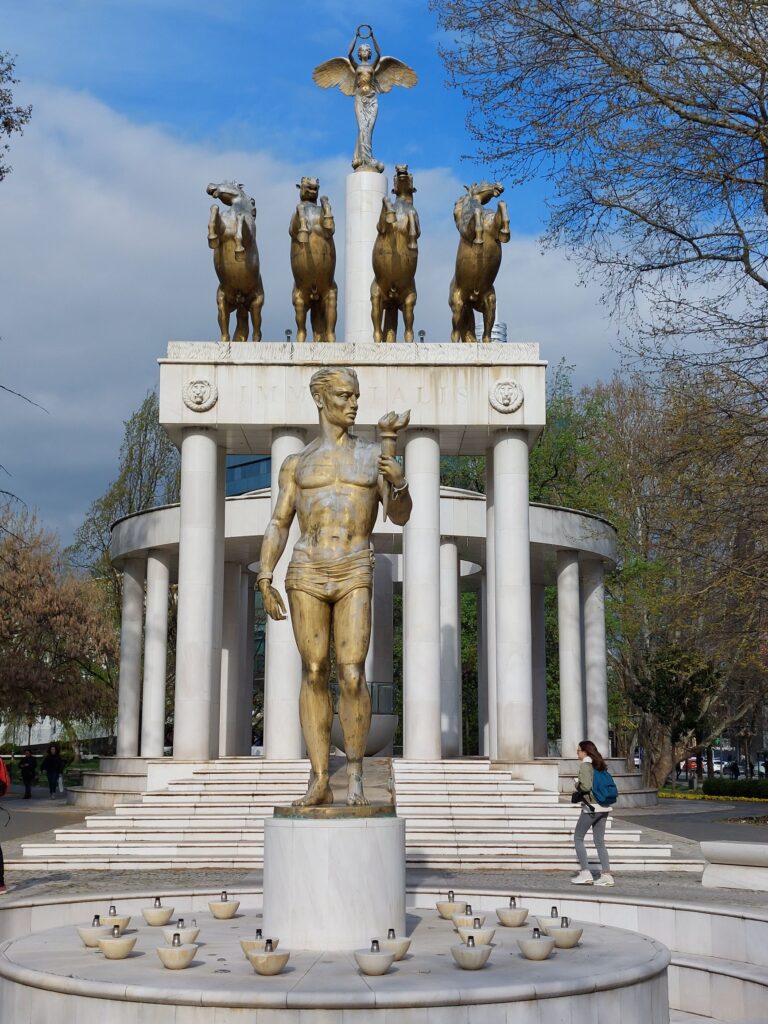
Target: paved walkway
{"x":682,"y":823}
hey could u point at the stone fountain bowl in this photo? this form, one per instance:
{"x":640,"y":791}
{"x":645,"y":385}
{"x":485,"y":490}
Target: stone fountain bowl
{"x":187,"y":935}
{"x":374,"y":963}
{"x":117,"y":948}
{"x":536,"y":949}
{"x":222,"y":910}
{"x":177,"y":958}
{"x":467,"y":920}
{"x":256,"y":945}
{"x":482,"y":936}
{"x":399,"y":946}
{"x":512,"y":917}
{"x":156,"y":916}
{"x":566,"y":938}
{"x":471,"y":958}
{"x":268,"y":963}
{"x":121,"y":920}
{"x":447,"y":908}
{"x":90,"y":934}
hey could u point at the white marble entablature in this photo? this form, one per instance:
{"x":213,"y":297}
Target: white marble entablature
{"x":462,"y":515}
{"x":446,"y":387}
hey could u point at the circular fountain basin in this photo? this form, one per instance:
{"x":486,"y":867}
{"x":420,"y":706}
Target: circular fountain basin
{"x":50,"y":975}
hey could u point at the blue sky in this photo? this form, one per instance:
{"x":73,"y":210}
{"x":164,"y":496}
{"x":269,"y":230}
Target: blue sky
{"x":137,"y":105}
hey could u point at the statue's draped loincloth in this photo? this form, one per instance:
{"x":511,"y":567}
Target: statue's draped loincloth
{"x":333,"y":578}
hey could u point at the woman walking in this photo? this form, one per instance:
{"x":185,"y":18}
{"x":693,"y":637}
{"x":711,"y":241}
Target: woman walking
{"x":593,"y":816}
{"x":53,"y":766}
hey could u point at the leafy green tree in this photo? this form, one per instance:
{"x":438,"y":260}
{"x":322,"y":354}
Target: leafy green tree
{"x":57,"y":643}
{"x":12,"y":116}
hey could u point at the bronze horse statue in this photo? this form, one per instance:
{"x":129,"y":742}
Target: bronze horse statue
{"x":313,"y":262}
{"x":232,"y":236}
{"x":477,"y":260}
{"x":395,"y":254}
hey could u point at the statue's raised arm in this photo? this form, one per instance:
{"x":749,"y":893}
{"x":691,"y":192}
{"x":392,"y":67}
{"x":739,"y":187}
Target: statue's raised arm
{"x":364,"y":80}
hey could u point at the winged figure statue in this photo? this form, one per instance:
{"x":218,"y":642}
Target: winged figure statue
{"x":364,"y":79}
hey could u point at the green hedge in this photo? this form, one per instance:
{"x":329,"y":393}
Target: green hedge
{"x":735,"y":787}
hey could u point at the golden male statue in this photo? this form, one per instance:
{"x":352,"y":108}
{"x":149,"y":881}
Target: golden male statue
{"x":334,"y":486}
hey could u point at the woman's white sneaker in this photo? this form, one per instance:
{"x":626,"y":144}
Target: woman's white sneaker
{"x":605,"y":879}
{"x":583,"y":878}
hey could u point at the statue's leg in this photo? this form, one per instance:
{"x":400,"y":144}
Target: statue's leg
{"x":478,"y":239}
{"x":409,"y":306}
{"x":468,"y":334}
{"x":331,"y":302}
{"x":377,"y":311}
{"x":213,"y":227}
{"x":224,"y":309}
{"x":502,"y":222}
{"x":390,"y":322}
{"x":317,"y":316}
{"x":456,"y":302}
{"x":311,"y":621}
{"x":256,"y":307}
{"x":413,"y":234}
{"x":489,"y":313}
{"x":241,"y":330}
{"x":300,"y":309}
{"x":352,"y":634}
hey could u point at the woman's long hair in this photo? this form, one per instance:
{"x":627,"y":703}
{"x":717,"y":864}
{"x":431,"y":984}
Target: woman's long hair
{"x":598,"y":761}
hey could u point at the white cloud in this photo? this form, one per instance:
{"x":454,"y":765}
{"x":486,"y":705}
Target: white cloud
{"x":105,"y":259}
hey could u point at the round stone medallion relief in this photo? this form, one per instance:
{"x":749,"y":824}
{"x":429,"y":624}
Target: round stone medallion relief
{"x":506,"y":395}
{"x":200,"y":395}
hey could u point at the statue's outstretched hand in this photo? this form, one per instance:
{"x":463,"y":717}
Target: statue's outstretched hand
{"x":273,"y":602}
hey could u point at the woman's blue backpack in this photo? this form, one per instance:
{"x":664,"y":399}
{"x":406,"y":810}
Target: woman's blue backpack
{"x":604,"y":789}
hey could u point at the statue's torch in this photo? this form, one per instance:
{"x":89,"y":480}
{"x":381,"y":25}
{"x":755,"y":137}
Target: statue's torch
{"x":389,"y":426}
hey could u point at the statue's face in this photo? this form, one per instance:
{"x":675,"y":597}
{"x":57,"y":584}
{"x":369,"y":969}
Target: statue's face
{"x":339,"y":401}
{"x":364,"y":53}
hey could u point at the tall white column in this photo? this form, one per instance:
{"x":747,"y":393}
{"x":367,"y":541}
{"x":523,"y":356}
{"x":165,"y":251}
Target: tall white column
{"x":230,"y":714}
{"x":155,"y":654}
{"x":421,"y":599}
{"x":282,"y":675}
{"x":365,"y":191}
{"x":512,"y":559}
{"x":490,"y":604}
{"x":198,"y":660}
{"x":129,"y":686}
{"x":539,"y":642}
{"x":482,"y":670}
{"x":569,"y":648}
{"x":247,"y":617}
{"x":218,"y":597}
{"x":450,"y":666}
{"x":594,"y":645}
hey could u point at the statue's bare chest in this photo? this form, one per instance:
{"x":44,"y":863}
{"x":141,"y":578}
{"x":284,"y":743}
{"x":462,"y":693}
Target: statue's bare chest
{"x":357,"y":466}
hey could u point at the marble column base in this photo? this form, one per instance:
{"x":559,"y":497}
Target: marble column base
{"x":333,"y":884}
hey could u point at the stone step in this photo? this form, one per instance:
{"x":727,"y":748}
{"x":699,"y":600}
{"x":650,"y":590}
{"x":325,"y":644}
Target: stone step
{"x":100,"y":799}
{"x":135,"y":782}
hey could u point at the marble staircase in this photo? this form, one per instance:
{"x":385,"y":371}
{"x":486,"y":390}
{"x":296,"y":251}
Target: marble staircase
{"x":465,"y":814}
{"x":459,"y":814}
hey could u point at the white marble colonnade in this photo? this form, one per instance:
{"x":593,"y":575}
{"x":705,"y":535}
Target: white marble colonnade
{"x":457,"y":408}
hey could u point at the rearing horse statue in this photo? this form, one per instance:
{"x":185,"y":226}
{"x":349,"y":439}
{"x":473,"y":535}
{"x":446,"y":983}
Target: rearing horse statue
{"x":232,"y":236}
{"x":395,"y":255}
{"x":478,"y":259}
{"x":313,"y":262}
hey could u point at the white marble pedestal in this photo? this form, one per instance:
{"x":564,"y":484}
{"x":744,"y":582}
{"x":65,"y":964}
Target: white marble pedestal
{"x":333,"y":883}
